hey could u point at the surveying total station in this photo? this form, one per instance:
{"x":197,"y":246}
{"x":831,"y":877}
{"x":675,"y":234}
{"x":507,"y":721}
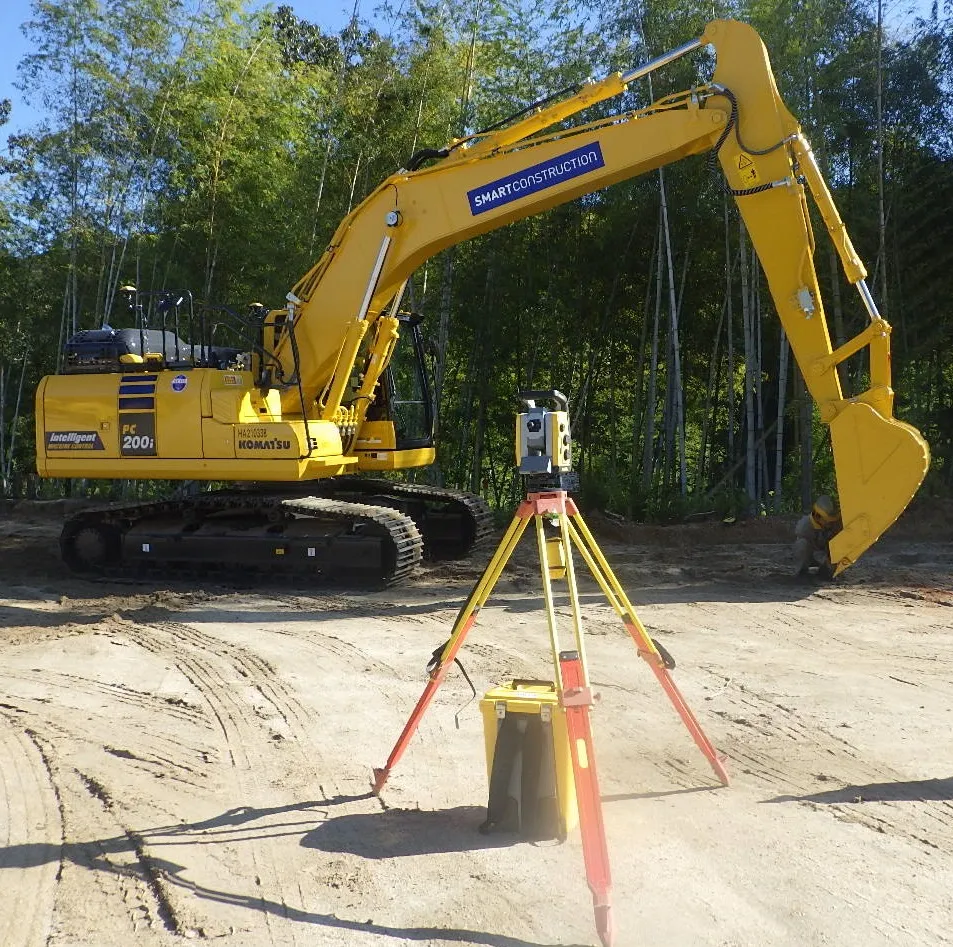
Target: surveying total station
{"x":544,"y":458}
{"x":544,"y":443}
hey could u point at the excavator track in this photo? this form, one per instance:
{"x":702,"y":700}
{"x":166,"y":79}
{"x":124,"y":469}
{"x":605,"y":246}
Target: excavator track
{"x":451,"y":522}
{"x":240,"y":534}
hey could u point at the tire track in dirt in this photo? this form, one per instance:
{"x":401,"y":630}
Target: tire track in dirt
{"x":157,"y":753}
{"x":255,"y":672}
{"x":109,"y":869}
{"x":778,"y":749}
{"x":31,"y":827}
{"x":221,"y":672}
{"x":777,"y":744}
{"x":901,"y":808}
{"x":63,"y":680}
{"x":789,"y":754}
{"x":151,"y":898}
{"x":326,"y":643}
{"x":775,"y":747}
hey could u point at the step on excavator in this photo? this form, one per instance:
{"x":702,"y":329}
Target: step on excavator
{"x":304,"y":401}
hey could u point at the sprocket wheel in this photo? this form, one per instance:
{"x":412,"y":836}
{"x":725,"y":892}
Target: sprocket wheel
{"x":91,"y":547}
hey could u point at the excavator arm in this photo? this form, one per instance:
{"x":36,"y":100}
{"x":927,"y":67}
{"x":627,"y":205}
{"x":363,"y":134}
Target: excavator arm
{"x":879,"y":461}
{"x":481,"y":183}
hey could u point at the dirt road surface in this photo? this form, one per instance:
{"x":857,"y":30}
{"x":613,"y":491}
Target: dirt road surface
{"x":180,"y":763}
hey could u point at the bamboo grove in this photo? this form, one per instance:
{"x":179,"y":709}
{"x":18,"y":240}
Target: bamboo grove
{"x":216,"y":146}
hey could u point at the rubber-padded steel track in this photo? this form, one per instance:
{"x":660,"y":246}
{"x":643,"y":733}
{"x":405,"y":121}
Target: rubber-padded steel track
{"x":239,"y":533}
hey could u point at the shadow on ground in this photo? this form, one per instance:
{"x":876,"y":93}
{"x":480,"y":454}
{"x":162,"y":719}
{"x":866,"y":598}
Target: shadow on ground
{"x":390,"y":833}
{"x":917,"y":790}
{"x":397,"y":833}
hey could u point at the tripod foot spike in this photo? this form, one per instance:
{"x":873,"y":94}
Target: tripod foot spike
{"x":603,"y":913}
{"x":380,"y":778}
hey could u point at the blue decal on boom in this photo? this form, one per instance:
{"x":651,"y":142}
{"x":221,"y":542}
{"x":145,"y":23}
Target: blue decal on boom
{"x":538,"y":177}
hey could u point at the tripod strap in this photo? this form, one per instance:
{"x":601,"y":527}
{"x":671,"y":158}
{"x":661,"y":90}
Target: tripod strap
{"x":502,"y":812}
{"x":530,"y":809}
{"x":520,"y":740}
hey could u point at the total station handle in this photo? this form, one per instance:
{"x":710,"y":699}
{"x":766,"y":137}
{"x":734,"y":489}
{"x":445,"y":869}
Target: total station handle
{"x":531,"y":397}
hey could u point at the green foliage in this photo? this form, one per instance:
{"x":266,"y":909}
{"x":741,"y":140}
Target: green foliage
{"x":217,"y":146}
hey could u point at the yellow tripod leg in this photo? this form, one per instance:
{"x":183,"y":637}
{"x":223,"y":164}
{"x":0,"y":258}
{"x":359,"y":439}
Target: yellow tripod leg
{"x":594,"y":559}
{"x":465,"y":620}
{"x":574,"y":598}
{"x":557,"y":510}
{"x":548,"y":596}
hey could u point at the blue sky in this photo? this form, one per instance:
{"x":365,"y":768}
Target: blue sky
{"x":331,"y":15}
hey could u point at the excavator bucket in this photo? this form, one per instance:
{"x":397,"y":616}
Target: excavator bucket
{"x":879,"y":462}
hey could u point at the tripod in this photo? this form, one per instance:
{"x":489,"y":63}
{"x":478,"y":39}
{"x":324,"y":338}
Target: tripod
{"x":569,"y":667}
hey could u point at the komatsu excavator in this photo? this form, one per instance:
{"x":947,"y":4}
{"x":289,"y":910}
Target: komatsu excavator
{"x":315,"y":395}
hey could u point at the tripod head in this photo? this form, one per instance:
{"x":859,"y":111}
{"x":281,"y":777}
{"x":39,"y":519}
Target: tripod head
{"x":544,"y":442}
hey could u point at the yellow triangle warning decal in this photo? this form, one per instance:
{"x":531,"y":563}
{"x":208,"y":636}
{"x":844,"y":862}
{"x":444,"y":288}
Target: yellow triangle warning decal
{"x":747,"y":171}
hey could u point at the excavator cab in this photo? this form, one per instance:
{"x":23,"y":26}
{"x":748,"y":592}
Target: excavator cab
{"x":408,"y":385}
{"x":405,"y":393}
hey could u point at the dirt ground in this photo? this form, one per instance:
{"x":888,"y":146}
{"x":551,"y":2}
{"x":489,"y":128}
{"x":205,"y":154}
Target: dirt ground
{"x":185,"y":763}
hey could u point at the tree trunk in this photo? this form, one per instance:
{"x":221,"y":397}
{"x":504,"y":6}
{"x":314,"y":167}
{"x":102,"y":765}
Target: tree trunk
{"x":637,"y":405}
{"x":750,"y":452}
{"x":881,"y":225}
{"x":676,"y":378}
{"x":648,"y":443}
{"x":443,"y":331}
{"x":15,"y":422}
{"x":806,"y":421}
{"x":837,"y":310}
{"x":3,"y":428}
{"x":779,"y":443}
{"x":729,"y":320}
{"x":710,"y":401}
{"x":762,"y":478}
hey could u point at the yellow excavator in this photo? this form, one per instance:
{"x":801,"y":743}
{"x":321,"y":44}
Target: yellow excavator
{"x":292,"y":417}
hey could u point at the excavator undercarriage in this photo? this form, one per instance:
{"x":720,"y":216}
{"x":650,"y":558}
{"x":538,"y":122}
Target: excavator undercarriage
{"x":354,"y":530}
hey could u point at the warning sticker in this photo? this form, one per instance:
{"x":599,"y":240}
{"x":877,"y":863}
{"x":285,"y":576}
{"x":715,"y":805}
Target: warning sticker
{"x":747,"y":170}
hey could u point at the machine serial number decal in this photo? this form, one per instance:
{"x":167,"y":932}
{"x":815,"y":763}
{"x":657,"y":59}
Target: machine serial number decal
{"x":262,"y":438}
{"x":74,"y":440}
{"x":538,"y":177}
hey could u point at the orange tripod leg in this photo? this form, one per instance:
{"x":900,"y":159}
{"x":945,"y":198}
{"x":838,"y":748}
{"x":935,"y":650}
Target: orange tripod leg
{"x":651,"y":657}
{"x":577,"y":699}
